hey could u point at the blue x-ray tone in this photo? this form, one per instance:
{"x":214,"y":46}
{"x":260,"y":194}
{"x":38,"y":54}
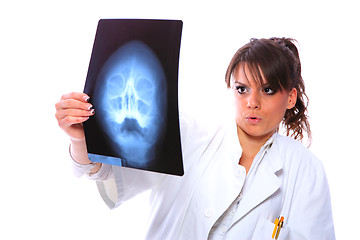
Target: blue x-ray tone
{"x":131,"y":103}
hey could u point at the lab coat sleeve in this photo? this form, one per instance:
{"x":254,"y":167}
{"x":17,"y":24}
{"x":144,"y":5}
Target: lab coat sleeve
{"x":310,"y":215}
{"x":128,"y":182}
{"x":79,"y":170}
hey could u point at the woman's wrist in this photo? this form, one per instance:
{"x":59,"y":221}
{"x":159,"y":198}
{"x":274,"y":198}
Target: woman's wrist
{"x":78,"y":151}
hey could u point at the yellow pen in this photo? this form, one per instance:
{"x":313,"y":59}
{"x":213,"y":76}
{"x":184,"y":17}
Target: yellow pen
{"x":276,"y":226}
{"x":281,"y":222}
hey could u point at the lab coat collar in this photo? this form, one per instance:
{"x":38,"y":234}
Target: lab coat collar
{"x":263,"y":151}
{"x":265,"y":182}
{"x":273,"y":161}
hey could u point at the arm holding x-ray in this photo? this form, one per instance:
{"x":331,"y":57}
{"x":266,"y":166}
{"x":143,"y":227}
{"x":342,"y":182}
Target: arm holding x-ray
{"x":71,"y":111}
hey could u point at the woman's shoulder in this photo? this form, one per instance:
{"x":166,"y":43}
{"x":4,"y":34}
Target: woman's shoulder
{"x":295,"y":152}
{"x":298,"y":162}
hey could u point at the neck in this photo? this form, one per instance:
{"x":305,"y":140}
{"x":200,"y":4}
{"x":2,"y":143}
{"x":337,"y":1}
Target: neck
{"x":250,"y":145}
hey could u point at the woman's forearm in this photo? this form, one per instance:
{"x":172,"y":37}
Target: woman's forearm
{"x":79,"y":154}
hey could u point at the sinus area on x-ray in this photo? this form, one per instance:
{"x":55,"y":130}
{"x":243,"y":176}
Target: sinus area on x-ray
{"x":132,"y":102}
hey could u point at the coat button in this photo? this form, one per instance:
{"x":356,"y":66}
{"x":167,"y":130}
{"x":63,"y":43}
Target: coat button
{"x":209,"y":212}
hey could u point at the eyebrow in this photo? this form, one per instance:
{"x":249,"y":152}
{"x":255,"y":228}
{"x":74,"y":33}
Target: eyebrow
{"x":244,"y":84}
{"x":247,"y":85}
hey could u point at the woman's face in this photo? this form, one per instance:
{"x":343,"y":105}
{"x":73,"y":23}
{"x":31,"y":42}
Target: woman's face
{"x":258,"y":108}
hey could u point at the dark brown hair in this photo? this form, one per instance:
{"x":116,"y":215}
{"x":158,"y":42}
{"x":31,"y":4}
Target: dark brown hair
{"x":276,"y":60}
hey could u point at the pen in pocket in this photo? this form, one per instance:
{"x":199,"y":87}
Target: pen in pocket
{"x":278,"y":225}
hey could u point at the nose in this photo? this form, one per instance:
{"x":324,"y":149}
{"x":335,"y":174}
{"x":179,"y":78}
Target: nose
{"x":253,"y":100}
{"x":130,"y":98}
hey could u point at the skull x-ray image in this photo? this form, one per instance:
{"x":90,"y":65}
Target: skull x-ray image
{"x":133,"y":101}
{"x":132,"y":82}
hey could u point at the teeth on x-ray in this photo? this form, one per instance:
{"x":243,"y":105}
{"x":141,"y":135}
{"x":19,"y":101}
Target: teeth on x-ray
{"x":133,"y":102}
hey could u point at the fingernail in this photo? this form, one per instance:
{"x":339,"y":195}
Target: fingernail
{"x":91,"y":107}
{"x":92,"y":111}
{"x":86,"y":98}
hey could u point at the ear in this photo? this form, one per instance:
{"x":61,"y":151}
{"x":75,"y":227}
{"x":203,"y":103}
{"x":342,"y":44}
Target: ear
{"x":292,"y":98}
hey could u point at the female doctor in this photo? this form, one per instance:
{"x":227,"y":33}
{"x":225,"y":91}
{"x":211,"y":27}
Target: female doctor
{"x":242,"y":176}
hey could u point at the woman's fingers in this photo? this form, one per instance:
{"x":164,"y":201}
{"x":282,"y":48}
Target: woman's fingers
{"x":76,"y":95}
{"x":73,"y":108}
{"x":77,"y":114}
{"x":71,"y":111}
{"x":72,"y":103}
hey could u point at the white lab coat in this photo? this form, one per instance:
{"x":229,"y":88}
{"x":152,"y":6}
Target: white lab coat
{"x":289,"y":181}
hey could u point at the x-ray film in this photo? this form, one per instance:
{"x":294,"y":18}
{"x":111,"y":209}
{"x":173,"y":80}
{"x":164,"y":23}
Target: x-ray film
{"x":132,"y":82}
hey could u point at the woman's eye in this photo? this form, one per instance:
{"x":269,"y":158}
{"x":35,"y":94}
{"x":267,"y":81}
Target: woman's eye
{"x":241,"y":89}
{"x":269,"y":91}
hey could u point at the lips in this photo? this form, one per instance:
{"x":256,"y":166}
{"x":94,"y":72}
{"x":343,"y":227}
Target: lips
{"x":253,"y":119}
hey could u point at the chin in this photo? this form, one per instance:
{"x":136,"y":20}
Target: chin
{"x":257,"y":133}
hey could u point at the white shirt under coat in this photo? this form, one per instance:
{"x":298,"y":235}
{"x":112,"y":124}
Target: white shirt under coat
{"x":285,"y":179}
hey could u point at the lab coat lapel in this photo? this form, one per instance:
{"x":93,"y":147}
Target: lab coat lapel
{"x":265,"y":184}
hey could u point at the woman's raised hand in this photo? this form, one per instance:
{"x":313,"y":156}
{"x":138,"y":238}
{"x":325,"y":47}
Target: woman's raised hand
{"x":71,"y":111}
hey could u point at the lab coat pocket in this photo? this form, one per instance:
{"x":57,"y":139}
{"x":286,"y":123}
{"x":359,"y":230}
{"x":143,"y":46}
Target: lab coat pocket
{"x":264,"y":230}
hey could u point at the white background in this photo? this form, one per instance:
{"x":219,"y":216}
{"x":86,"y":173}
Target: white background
{"x":45,"y":47}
